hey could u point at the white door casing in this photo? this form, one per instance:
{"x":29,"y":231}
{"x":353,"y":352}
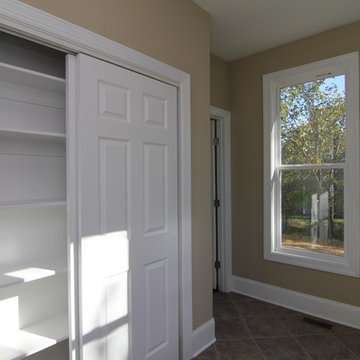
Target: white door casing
{"x":224,"y":195}
{"x":127,"y":139}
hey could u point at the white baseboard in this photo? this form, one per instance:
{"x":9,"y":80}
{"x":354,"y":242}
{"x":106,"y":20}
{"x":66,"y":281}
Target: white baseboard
{"x":323,"y":308}
{"x":203,"y":337}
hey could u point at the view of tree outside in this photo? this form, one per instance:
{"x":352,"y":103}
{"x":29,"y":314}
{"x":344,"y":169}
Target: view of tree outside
{"x":313,"y":133}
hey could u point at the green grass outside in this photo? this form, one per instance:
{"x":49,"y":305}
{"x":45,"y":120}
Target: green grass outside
{"x":301,"y":225}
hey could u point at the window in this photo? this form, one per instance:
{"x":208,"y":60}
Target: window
{"x":311,"y":166}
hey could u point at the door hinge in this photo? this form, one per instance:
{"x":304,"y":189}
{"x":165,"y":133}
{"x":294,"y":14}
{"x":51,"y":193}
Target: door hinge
{"x":217,"y":264}
{"x":216,"y":203}
{"x":216,"y":141}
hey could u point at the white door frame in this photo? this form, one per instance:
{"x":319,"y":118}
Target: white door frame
{"x":37,"y":25}
{"x":224,"y":167}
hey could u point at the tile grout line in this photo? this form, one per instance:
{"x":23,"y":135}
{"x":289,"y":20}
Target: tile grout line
{"x":346,"y":347}
{"x":294,"y":337}
{"x":288,"y":331}
{"x":251,"y":334}
{"x":271,"y":337}
{"x":216,"y":351}
{"x":301,"y":347}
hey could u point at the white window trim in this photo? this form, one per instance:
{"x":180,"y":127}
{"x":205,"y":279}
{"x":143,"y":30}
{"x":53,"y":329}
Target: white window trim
{"x":347,"y":64}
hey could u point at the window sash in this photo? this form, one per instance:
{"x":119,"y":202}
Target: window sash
{"x":278,"y":239}
{"x":328,"y":166}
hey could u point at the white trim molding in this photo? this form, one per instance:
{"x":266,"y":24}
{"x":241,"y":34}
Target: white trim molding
{"x":319,"y":307}
{"x":27,"y":21}
{"x":38,"y":25}
{"x":349,"y":264}
{"x":203,"y":337}
{"x":225,"y":243}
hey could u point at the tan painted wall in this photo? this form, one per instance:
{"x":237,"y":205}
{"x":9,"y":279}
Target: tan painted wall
{"x":177,"y":33}
{"x":247,"y":166}
{"x":219,"y":82}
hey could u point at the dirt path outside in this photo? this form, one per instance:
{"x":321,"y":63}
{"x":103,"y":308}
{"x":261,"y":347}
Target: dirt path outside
{"x":325,"y":246}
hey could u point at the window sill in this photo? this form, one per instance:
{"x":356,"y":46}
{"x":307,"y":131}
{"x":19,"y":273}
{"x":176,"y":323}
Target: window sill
{"x":316,"y":261}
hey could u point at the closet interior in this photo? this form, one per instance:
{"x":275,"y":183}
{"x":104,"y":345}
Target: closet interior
{"x":33,"y":202}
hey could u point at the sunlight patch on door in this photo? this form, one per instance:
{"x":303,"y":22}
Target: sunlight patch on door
{"x":105,"y":287}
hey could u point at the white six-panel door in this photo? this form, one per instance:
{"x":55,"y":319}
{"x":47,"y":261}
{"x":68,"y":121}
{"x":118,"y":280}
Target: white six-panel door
{"x":128,"y":246}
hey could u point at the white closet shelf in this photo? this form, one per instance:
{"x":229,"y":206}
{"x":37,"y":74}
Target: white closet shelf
{"x":32,"y":203}
{"x":34,"y":79}
{"x":18,"y":344}
{"x":36,"y":135}
{"x":29,"y":273}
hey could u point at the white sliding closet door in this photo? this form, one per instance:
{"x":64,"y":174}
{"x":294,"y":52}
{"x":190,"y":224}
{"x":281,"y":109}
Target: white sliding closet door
{"x":128,"y":242}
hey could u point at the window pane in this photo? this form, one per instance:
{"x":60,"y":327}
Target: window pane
{"x":313,"y":122}
{"x":312,"y":210}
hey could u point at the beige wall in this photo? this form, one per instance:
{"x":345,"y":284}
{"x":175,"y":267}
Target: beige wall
{"x":177,"y":33}
{"x":247,"y":166}
{"x":219,"y":82}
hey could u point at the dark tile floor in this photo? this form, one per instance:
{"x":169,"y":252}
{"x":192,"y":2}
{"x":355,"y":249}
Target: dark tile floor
{"x":247,"y":328}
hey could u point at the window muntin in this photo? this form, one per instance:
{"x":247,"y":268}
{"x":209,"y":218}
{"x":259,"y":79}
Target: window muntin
{"x":325,"y":181}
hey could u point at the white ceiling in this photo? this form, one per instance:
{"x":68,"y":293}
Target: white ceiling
{"x":243,"y":27}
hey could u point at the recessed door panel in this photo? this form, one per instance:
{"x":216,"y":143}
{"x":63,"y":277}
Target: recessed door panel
{"x":155,"y":187}
{"x":114,"y":101}
{"x":156,"y":306}
{"x":155,"y":113}
{"x":117,"y":320}
{"x":114,"y":185}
